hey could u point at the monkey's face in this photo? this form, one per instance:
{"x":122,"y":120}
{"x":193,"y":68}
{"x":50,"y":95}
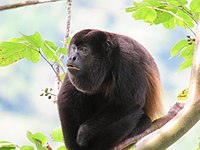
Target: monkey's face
{"x":79,"y":60}
{"x":87,"y":62}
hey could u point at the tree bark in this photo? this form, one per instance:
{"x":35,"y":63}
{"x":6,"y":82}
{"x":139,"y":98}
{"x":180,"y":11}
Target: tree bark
{"x":26,"y":3}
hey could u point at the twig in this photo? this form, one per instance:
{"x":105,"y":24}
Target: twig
{"x":156,"y":125}
{"x":69,"y":3}
{"x":26,"y":3}
{"x":51,"y":65}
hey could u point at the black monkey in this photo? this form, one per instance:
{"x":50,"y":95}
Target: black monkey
{"x":110,"y":93}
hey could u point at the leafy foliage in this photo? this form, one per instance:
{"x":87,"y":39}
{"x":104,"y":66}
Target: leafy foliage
{"x":5,"y":145}
{"x":170,"y":13}
{"x":32,"y":48}
{"x":166,"y":12}
{"x":57,"y":135}
{"x":38,"y":139}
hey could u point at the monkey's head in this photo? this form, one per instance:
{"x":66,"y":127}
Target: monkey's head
{"x":89,"y":61}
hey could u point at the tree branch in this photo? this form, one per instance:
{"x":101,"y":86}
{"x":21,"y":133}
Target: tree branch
{"x":186,"y":118}
{"x":69,"y":3}
{"x":156,"y":125}
{"x":26,"y":3}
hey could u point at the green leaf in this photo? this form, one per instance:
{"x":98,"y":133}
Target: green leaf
{"x":40,"y":146}
{"x":178,"y":47}
{"x":9,"y":59}
{"x":18,"y":40}
{"x":51,"y":45}
{"x":145,"y":13}
{"x":162,"y":17}
{"x":11,"y":52}
{"x":141,"y":4}
{"x":48,"y":51}
{"x":26,"y":147}
{"x":185,"y":64}
{"x":170,"y":24}
{"x":7,"y":48}
{"x":37,"y":137}
{"x":5,"y":145}
{"x":130,"y":9}
{"x":32,"y":54}
{"x":62,"y":50}
{"x":57,"y":135}
{"x":188,"y":52}
{"x":35,"y":39}
{"x":186,"y":21}
{"x":62,"y":148}
{"x":177,"y":2}
{"x":196,"y":16}
{"x":195,"y":5}
{"x":155,"y":3}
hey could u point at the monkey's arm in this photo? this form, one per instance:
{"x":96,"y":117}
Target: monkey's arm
{"x":113,"y":123}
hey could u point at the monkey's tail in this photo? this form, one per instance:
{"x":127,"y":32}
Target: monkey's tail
{"x":154,"y":104}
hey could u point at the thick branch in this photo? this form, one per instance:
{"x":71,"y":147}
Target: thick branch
{"x":186,"y":118}
{"x":156,"y":125}
{"x":26,"y":3}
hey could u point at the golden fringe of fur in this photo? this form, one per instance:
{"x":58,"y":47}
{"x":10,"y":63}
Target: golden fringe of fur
{"x":153,"y":105}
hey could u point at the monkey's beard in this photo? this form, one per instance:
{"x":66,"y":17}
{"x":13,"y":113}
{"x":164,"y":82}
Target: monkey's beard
{"x":90,"y":81}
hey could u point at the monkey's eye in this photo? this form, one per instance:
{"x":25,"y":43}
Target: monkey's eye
{"x":73,"y":47}
{"x":83,"y":49}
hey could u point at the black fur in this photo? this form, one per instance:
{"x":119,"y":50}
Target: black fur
{"x":103,"y":103}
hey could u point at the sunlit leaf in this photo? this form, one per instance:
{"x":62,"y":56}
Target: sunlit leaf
{"x":32,"y":54}
{"x":11,"y":52}
{"x":48,"y":52}
{"x":177,"y":2}
{"x":57,"y":135}
{"x":62,"y":50}
{"x":5,"y":145}
{"x":62,"y":148}
{"x":170,"y":24}
{"x":35,"y":39}
{"x":51,"y":45}
{"x":36,"y":137}
{"x":131,"y":9}
{"x":162,"y":17}
{"x":195,"y":5}
{"x":26,"y":147}
{"x":188,"y":52}
{"x":187,"y":63}
{"x":7,"y":48}
{"x":178,"y":47}
{"x":185,"y":20}
{"x":155,"y":3}
{"x":145,"y":13}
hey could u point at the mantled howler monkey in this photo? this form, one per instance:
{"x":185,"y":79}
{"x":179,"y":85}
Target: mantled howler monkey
{"x":110,"y":93}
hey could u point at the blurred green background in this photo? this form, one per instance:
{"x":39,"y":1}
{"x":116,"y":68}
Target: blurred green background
{"x":21,"y":107}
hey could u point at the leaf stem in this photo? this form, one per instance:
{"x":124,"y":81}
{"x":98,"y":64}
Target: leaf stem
{"x":51,"y":65}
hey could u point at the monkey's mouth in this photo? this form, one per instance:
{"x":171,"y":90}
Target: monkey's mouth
{"x":72,"y":67}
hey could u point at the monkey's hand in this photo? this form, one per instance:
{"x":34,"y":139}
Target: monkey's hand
{"x":84,"y":135}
